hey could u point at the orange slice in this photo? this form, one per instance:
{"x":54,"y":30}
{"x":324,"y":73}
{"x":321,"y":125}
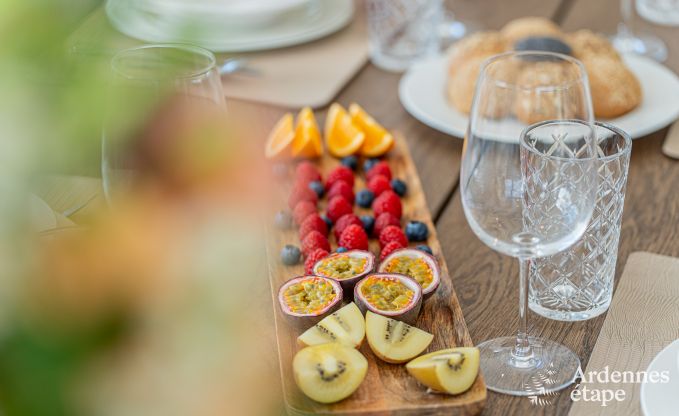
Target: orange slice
{"x":307,"y":141}
{"x":378,"y":140}
{"x":279,"y":143}
{"x":343,"y":137}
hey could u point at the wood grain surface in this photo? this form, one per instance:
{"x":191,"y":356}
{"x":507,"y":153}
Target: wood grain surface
{"x":642,"y":320}
{"x":387,"y":389}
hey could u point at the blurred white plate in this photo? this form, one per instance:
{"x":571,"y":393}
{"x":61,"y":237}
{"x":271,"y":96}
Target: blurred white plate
{"x":218,"y":33}
{"x":423,"y":94}
{"x":662,"y":399}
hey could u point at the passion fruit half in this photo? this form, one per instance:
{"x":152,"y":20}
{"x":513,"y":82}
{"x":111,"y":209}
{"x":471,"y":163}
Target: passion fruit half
{"x":305,"y":300}
{"x":347,"y":268}
{"x":389,"y":294}
{"x":417,"y":264}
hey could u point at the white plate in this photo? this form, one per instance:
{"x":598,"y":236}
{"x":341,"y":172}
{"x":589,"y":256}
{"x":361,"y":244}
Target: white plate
{"x":661,"y":399}
{"x":321,"y":18}
{"x":423,"y":93}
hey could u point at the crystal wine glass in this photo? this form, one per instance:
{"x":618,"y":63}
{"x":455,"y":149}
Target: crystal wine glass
{"x":528,"y":183}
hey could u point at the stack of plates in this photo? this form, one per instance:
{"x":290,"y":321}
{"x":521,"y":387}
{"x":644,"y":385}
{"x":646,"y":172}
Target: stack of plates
{"x":230,"y":25}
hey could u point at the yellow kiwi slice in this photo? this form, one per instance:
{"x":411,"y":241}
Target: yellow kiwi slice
{"x":395,"y":341}
{"x":345,"y":326}
{"x":450,"y":371}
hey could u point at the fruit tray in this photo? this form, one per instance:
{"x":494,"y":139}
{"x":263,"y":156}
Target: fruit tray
{"x":387,"y":388}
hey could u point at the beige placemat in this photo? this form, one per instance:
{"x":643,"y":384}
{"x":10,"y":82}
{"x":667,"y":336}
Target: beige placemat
{"x":642,"y":320}
{"x":671,"y":145}
{"x":311,"y":74}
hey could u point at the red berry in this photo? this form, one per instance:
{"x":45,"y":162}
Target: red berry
{"x":354,"y":238}
{"x":388,"y":201}
{"x":383,"y":220}
{"x":380,"y":168}
{"x":302,"y":210}
{"x":306,"y":172}
{"x":344,"y":221}
{"x":338,"y":206}
{"x":392,"y":233}
{"x":314,"y":240}
{"x":313,"y":258}
{"x":313,"y":222}
{"x":340,"y":173}
{"x":389,"y":248}
{"x":378,"y":184}
{"x":342,"y":189}
{"x":301,"y":193}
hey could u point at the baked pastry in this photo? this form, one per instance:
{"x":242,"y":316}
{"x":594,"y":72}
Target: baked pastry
{"x":529,"y":26}
{"x":586,"y":43}
{"x":483,"y":44}
{"x":462,"y":81}
{"x":615,"y":90}
{"x":531,"y":105}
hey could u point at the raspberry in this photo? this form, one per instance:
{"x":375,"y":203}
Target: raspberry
{"x":340,"y":173}
{"x":342,"y":189}
{"x":344,"y":221}
{"x":389,"y":202}
{"x":338,"y":206}
{"x":380,"y":168}
{"x":313,"y":258}
{"x":378,"y":184}
{"x":392,"y":233}
{"x":302,"y":210}
{"x":314,"y":240}
{"x":313,"y":222}
{"x":306,"y":172}
{"x":301,"y":193}
{"x":389,"y":248}
{"x":354,"y":238}
{"x":383,"y":220}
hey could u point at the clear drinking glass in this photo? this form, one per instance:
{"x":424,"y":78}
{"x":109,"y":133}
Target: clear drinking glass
{"x":627,"y":41}
{"x":403,"y":31}
{"x":528,"y":190}
{"x":577,"y":283}
{"x":144,"y":79}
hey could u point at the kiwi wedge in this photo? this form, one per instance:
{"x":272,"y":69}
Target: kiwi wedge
{"x":328,"y":373}
{"x":345,"y":326}
{"x":450,"y":371}
{"x":395,"y":341}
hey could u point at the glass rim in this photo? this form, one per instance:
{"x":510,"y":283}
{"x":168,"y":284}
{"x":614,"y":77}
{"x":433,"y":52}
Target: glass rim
{"x":503,"y":84}
{"x":193,"y":49}
{"x":524,"y":134}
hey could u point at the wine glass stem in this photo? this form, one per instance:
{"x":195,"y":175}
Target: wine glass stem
{"x":624,"y":27}
{"x":522,"y":356}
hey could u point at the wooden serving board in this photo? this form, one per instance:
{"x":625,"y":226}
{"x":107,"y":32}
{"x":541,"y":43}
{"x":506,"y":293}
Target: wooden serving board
{"x":387,"y":388}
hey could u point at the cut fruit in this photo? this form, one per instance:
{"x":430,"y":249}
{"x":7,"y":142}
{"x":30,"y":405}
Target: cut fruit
{"x":330,"y":372}
{"x":305,"y":300}
{"x":279,"y":143}
{"x":378,"y":140}
{"x":391,"y":295}
{"x":307,"y":142}
{"x":450,"y":371}
{"x":415,"y":264}
{"x":347,"y":268}
{"x":345,"y":326}
{"x":394,"y":341}
{"x":342,"y":136}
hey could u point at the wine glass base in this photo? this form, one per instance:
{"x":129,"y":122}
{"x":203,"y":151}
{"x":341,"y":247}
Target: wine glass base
{"x":641,"y":44}
{"x":551,"y":368}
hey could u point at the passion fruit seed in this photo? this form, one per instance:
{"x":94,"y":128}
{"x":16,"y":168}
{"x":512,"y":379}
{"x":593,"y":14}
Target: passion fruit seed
{"x":309,"y":296}
{"x":386,"y":294}
{"x":341,"y":267}
{"x":414,"y":267}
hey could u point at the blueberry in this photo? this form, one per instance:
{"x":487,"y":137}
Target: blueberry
{"x":542,"y":43}
{"x":416,"y":231}
{"x":283,"y":220}
{"x":364,"y":198}
{"x":425,"y":248}
{"x":399,"y":187}
{"x":351,"y":162}
{"x":290,"y":255}
{"x":369,"y":163}
{"x":317,"y":187}
{"x":327,"y":220}
{"x":341,"y":250}
{"x":368,"y":223}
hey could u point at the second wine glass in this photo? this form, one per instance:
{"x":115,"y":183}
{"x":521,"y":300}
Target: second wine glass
{"x":528,"y":182}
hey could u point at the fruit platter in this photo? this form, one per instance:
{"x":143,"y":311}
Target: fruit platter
{"x":367,"y":320}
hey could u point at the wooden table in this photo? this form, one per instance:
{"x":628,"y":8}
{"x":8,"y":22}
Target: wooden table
{"x":487,"y":282}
